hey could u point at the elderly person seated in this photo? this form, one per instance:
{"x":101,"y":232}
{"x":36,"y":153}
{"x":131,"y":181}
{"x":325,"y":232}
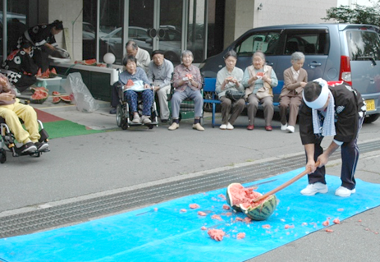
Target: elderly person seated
{"x":187,"y":83}
{"x":11,"y":110}
{"x":259,"y":79}
{"x":295,"y":79}
{"x":160,"y":72}
{"x":229,"y":78}
{"x":134,"y":82}
{"x":143,"y":59}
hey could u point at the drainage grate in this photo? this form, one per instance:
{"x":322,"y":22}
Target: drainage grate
{"x":75,"y":212}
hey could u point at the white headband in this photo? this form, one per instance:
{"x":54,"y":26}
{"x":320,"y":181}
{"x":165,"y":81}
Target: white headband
{"x":322,"y":98}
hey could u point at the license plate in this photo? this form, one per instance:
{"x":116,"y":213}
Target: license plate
{"x":370,"y":105}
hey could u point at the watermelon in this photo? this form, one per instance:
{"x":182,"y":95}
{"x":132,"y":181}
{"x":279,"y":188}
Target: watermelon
{"x":66,"y":98}
{"x":46,"y":74}
{"x":39,"y":96}
{"x":52,"y":73}
{"x":40,"y":88}
{"x":56,"y":97}
{"x":90,"y":62}
{"x":130,"y":83}
{"x":39,"y":73}
{"x":242,"y":200}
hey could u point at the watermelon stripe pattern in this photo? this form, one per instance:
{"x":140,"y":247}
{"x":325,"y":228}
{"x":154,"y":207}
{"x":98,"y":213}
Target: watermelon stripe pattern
{"x":241,"y":200}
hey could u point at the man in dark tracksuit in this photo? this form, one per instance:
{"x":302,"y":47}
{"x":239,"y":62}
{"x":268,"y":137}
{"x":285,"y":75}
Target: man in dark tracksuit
{"x":336,"y":111}
{"x":20,"y":67}
{"x":42,"y":38}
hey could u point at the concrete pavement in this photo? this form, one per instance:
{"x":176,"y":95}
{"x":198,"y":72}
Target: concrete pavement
{"x":92,"y":165}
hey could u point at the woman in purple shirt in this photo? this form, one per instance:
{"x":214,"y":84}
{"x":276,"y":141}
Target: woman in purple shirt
{"x":187,"y":83}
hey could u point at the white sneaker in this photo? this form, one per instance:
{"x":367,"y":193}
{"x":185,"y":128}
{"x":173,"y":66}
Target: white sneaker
{"x":223,"y":127}
{"x":230,"y":127}
{"x":283,"y":127}
{"x":146,"y":120}
{"x":136,"y":119}
{"x":312,"y":189}
{"x":344,"y":191}
{"x":290,"y":129}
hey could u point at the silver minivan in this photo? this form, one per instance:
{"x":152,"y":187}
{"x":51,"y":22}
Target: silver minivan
{"x":334,"y":52}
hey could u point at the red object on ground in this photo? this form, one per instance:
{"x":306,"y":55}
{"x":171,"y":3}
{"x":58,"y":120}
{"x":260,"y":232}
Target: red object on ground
{"x":202,"y":213}
{"x":336,"y":221}
{"x":216,"y":217}
{"x":216,"y":234}
{"x":326,"y":223}
{"x":240,"y":236}
{"x":226,"y":207}
{"x":194,"y":206}
{"x":183,"y":210}
{"x":266,"y":226}
{"x":329,"y":230}
{"x":204,"y":228}
{"x":46,"y":117}
{"x":289,"y":226}
{"x":247,"y":220}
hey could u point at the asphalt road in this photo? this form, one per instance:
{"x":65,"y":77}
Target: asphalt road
{"x":90,"y":164}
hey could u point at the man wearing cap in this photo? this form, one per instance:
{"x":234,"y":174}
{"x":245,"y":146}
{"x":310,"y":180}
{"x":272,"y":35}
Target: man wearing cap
{"x":160,"y":72}
{"x":143,"y":59}
{"x":336,"y":111}
{"x":20,"y":68}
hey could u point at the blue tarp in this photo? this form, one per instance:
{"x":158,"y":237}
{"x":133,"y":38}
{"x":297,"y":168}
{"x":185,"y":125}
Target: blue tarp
{"x":163,"y":232}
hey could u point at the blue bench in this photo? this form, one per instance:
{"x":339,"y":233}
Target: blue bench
{"x":209,"y":86}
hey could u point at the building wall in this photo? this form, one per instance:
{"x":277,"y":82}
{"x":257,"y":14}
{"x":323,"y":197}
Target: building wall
{"x":70,"y":12}
{"x":242,"y":15}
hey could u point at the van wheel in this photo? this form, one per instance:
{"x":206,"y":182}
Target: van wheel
{"x":371,"y":118}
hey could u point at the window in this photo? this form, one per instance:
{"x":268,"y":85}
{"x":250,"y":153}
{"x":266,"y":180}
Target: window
{"x":266,"y":42}
{"x":309,"y":42}
{"x":363,"y":45}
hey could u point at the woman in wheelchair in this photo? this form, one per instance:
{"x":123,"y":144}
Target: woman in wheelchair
{"x":134,"y":81}
{"x":11,"y":110}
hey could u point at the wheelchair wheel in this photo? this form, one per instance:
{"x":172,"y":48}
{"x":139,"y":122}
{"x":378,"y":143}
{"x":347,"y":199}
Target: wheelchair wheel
{"x":3,"y":156}
{"x":119,"y":115}
{"x":124,"y":125}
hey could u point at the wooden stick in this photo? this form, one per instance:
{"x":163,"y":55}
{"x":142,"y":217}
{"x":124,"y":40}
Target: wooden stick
{"x":291,"y":181}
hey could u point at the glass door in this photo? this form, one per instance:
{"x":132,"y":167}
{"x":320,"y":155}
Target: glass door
{"x":196,"y":33}
{"x":141,"y":23}
{"x":157,"y":24}
{"x":16,"y":24}
{"x":170,"y":29}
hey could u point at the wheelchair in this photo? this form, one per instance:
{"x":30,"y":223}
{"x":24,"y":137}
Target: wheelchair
{"x":124,"y":116}
{"x":7,"y":142}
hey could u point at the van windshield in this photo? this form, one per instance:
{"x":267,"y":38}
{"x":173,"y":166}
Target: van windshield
{"x":266,"y":42}
{"x":363,"y":45}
